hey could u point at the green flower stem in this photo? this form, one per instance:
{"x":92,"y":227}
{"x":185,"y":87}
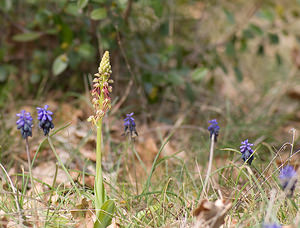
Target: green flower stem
{"x":29,"y":166}
{"x":99,"y":188}
{"x":31,"y":178}
{"x":62,"y":164}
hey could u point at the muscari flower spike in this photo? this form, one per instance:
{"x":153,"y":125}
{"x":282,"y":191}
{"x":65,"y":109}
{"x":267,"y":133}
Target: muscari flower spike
{"x":45,"y":119}
{"x":274,"y":225}
{"x":129,"y":125}
{"x":24,"y":123}
{"x":247,"y":151}
{"x":101,"y":89}
{"x":288,"y":179}
{"x":214,"y":128}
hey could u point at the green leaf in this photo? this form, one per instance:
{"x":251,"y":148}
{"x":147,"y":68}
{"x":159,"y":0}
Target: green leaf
{"x":199,"y":74}
{"x":82,"y":3}
{"x":174,"y":77}
{"x":3,"y":74}
{"x":260,"y":50}
{"x":106,"y":214}
{"x":98,"y":14}
{"x":238,"y":73}
{"x":230,"y":16}
{"x":189,"y":92}
{"x":6,"y":5}
{"x":152,"y":59}
{"x":220,"y":63}
{"x":274,"y":39}
{"x":243,"y":45}
{"x":86,"y":50}
{"x":256,"y":29}
{"x":26,"y":37}
{"x":51,"y":31}
{"x":278,"y":58}
{"x":151,"y":209}
{"x":247,"y":33}
{"x":230,"y":49}
{"x":267,"y":14}
{"x":66,"y":33}
{"x":34,"y":78}
{"x":60,"y":64}
{"x":72,"y":9}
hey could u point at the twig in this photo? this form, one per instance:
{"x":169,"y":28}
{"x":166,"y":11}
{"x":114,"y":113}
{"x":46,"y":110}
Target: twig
{"x":128,"y":88}
{"x":127,"y":11}
{"x":293,"y":142}
{"x":12,"y":22}
{"x":239,"y":26}
{"x":124,"y":96}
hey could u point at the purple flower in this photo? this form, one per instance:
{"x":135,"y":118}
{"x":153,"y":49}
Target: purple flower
{"x":288,"y":179}
{"x":45,"y":119}
{"x":129,"y":125}
{"x":214,"y":128}
{"x":247,"y":151}
{"x":274,"y":225}
{"x":24,"y":123}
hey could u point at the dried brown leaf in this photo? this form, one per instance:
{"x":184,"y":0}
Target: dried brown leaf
{"x":147,"y":150}
{"x":46,"y":172}
{"x":83,"y":215}
{"x":3,"y":219}
{"x":68,"y":113}
{"x":113,"y":224}
{"x":211,"y":214}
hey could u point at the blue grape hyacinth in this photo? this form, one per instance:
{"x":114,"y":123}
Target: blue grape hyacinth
{"x":247,"y":151}
{"x":288,"y":179}
{"x":129,"y":125}
{"x":214,"y":128}
{"x":45,"y":119}
{"x":24,"y":123}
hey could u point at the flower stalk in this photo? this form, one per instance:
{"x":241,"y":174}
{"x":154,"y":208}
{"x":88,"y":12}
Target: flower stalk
{"x":101,"y":103}
{"x":29,"y":164}
{"x":213,"y":129}
{"x":98,"y":187}
{"x":24,"y":124}
{"x":45,"y":123}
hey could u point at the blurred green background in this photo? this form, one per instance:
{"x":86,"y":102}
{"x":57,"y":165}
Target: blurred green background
{"x":233,"y":60}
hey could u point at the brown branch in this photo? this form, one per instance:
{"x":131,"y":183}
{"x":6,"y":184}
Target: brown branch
{"x":127,"y":11}
{"x":125,"y":95}
{"x":235,"y":30}
{"x":12,"y":22}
